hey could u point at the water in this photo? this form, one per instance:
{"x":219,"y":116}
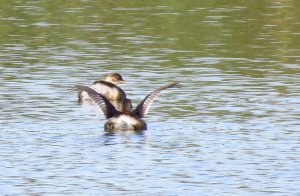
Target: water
{"x":230,"y":128}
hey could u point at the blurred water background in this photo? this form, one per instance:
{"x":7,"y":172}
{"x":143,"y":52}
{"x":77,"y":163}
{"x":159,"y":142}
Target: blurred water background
{"x":231,"y":128}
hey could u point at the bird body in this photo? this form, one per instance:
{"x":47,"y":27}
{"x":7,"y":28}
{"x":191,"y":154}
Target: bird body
{"x":127,"y":119}
{"x":124,"y":122}
{"x":107,"y":88}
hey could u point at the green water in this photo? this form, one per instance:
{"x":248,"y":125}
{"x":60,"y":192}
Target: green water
{"x":230,"y":128}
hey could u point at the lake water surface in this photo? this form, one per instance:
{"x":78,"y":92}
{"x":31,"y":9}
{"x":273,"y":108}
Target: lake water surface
{"x":230,"y":128}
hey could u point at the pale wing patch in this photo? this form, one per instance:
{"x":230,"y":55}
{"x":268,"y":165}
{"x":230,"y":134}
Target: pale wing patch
{"x":111,"y":93}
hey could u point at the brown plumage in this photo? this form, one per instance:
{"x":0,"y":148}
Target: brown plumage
{"x":128,"y":119}
{"x":109,"y":89}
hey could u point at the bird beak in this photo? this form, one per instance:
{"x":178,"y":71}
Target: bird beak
{"x":122,"y":81}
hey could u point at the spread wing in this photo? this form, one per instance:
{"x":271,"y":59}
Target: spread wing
{"x":142,"y":109}
{"x":105,"y":106}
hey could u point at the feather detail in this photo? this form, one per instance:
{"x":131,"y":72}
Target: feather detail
{"x":105,"y":106}
{"x":142,"y":109}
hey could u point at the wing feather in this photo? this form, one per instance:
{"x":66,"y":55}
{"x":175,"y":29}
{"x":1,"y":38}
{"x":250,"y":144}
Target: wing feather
{"x":142,"y":109}
{"x":105,"y":106}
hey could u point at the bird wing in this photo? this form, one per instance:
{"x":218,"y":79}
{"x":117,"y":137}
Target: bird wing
{"x":105,"y":106}
{"x":142,"y":109}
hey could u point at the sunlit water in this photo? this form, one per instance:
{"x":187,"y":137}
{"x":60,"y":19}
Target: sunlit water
{"x":231,"y":127}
